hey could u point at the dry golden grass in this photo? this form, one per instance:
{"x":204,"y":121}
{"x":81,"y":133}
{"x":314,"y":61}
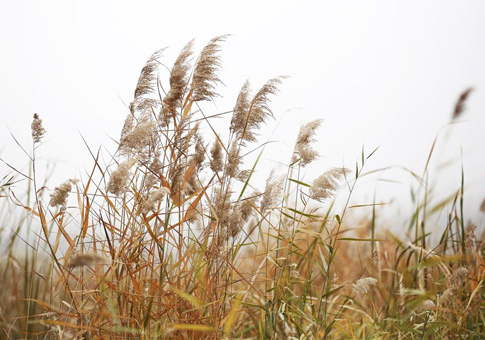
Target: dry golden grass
{"x":170,"y":239}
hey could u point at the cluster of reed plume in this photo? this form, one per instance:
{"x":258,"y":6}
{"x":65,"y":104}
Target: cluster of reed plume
{"x":172,"y":240}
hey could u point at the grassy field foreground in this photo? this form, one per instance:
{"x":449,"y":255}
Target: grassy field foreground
{"x":170,"y":239}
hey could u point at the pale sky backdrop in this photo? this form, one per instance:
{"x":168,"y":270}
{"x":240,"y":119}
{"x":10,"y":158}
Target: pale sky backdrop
{"x":380,"y":73}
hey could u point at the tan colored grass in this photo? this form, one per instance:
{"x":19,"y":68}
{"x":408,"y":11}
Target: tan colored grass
{"x":171,"y":240}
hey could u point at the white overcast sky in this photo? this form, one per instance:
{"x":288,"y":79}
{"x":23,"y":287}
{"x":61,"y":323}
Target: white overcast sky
{"x":380,"y":73}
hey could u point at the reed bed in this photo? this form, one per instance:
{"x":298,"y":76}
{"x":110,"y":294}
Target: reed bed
{"x":170,"y":238}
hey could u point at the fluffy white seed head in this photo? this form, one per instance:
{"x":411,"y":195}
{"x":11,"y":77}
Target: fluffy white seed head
{"x":327,"y":184}
{"x":119,"y":178}
{"x":156,"y":196}
{"x":363,"y":286}
{"x":303,"y":150}
{"x":60,"y":194}
{"x":38,"y":130}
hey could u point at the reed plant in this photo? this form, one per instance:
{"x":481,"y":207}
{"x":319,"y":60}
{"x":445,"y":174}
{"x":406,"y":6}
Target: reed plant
{"x":169,"y":237}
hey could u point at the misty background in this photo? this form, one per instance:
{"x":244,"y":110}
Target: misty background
{"x":381,"y":74}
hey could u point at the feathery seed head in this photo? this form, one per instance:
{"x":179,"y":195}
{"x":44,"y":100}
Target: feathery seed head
{"x":193,"y":182}
{"x":187,"y":140}
{"x":216,"y":157}
{"x":199,"y":155}
{"x":327,"y":184}
{"x":426,"y":305}
{"x":471,"y":238}
{"x":147,"y":76}
{"x":184,"y":179}
{"x":246,"y":208}
{"x":232,"y":217}
{"x":205,"y":77}
{"x":127,"y":126}
{"x":145,"y":107}
{"x":458,"y":277}
{"x":154,"y":168}
{"x":241,"y":110}
{"x":272,"y":191}
{"x":362,"y":286}
{"x":249,"y":117}
{"x":87,"y":259}
{"x":150,"y":204}
{"x":460,"y":104}
{"x":233,"y":160}
{"x":165,"y":116}
{"x":119,"y":178}
{"x":306,"y":136}
{"x":235,"y":222}
{"x":60,"y":194}
{"x":38,"y":130}
{"x":223,"y":211}
{"x":138,"y":138}
{"x":178,"y":79}
{"x":448,"y":297}
{"x":243,"y":175}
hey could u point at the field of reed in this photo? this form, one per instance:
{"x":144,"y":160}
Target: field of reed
{"x":168,"y":237}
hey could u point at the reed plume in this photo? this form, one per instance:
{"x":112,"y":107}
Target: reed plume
{"x":249,"y":115}
{"x":272,"y":191}
{"x":216,"y":163}
{"x":133,"y":142}
{"x":87,"y":259}
{"x":178,"y":80}
{"x":148,"y":75}
{"x":327,"y":184}
{"x":241,"y":110}
{"x":199,"y":152}
{"x":362,"y":286}
{"x":60,"y":194}
{"x":38,"y":130}
{"x":426,"y":305}
{"x":153,"y":199}
{"x":303,"y":149}
{"x":118,"y":181}
{"x":207,"y":65}
{"x":233,"y":160}
{"x":460,"y":104}
{"x":142,"y":104}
